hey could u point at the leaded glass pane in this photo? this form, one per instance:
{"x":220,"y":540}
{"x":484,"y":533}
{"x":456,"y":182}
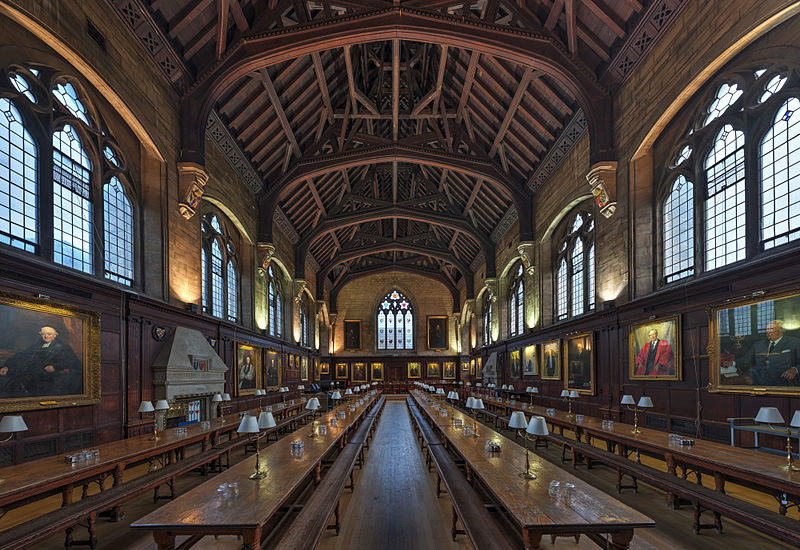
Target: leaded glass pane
{"x":772,"y":87}
{"x":395,"y":322}
{"x":381,"y":330}
{"x":390,"y":331}
{"x":590,"y":277}
{"x":780,"y":178}
{"x":22,"y":85}
{"x":725,"y":207}
{"x":399,"y":337}
{"x":409,"y":330}
{"x":726,"y":96}
{"x":561,"y":291}
{"x":19,"y":192}
{"x":577,"y":278}
{"x":72,"y":207}
{"x":233,"y":293}
{"x":679,"y":231}
{"x":117,"y":233}
{"x":217,"y":288}
{"x":204,"y":262}
{"x":67,"y":95}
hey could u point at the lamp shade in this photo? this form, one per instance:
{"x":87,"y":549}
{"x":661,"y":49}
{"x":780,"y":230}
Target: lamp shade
{"x":645,"y":402}
{"x":517,"y":421}
{"x":477,"y":384}
{"x":469,"y":383}
{"x":336,"y":395}
{"x":248,"y":425}
{"x":440,"y":391}
{"x":217,"y":398}
{"x":470,"y":402}
{"x":627,"y":400}
{"x":479,"y":404}
{"x":348,"y":391}
{"x":564,"y":393}
{"x":574,"y":394}
{"x":301,"y":387}
{"x":225,"y":397}
{"x":795,"y":423}
{"x":266,"y":420}
{"x":313,"y":404}
{"x":13,"y":423}
{"x":537,"y":426}
{"x":162,"y":405}
{"x":147,"y":407}
{"x":769,"y":415}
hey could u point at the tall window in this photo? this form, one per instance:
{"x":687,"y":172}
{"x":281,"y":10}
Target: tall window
{"x":304,"y":316}
{"x":488,"y":314}
{"x":220,"y":274}
{"x":92,"y":224}
{"x":750,"y":126}
{"x":516,"y":303}
{"x":274,"y":303}
{"x":574,"y":273}
{"x":395,"y":322}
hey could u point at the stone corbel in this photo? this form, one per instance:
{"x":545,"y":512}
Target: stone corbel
{"x":526,"y":251}
{"x":266,"y":251}
{"x":298,"y":286}
{"x":491,"y":287}
{"x":322,"y":312}
{"x":602,"y":179}
{"x":332,"y":318}
{"x":192,"y":177}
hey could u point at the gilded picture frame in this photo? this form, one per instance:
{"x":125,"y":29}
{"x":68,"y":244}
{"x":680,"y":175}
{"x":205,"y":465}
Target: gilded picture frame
{"x":654,"y":349}
{"x":754,"y":346}
{"x":376,"y":372}
{"x":272,"y":370}
{"x":324,"y":367}
{"x":472,"y":367}
{"x":465,"y":367}
{"x":247,"y":372}
{"x":530,"y":360}
{"x":352,"y":335}
{"x":341,"y":371}
{"x":551,"y":360}
{"x":304,"y":368}
{"x":71,"y":335}
{"x":579,"y":371}
{"x":449,"y":370}
{"x":414,"y":369}
{"x":359,"y":372}
{"x":437,"y":332}
{"x":514,"y":364}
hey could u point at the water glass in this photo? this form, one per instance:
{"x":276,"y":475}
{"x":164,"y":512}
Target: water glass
{"x":322,"y":429}
{"x":233,"y":489}
{"x":567,"y":491}
{"x":554,"y":490}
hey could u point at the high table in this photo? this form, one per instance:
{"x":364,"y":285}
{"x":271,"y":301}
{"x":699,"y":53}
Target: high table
{"x":202,"y":512}
{"x":590,"y":511}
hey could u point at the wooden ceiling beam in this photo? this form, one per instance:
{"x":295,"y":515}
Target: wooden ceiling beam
{"x":223,"y":7}
{"x":269,"y":87}
{"x":469,"y":79}
{"x":475,"y":190}
{"x":571,"y":23}
{"x":603,"y":15}
{"x":238,"y":16}
{"x":553,"y":16}
{"x":522,"y":87}
{"x":187,"y":16}
{"x":199,"y":40}
{"x":395,"y":88}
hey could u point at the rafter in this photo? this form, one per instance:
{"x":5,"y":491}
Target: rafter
{"x":269,"y":87}
{"x":529,"y":75}
{"x":223,"y":6}
{"x":395,"y":88}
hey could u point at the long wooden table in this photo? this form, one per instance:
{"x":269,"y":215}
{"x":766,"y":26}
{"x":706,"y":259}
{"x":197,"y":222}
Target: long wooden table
{"x":22,"y":483}
{"x":590,"y":511}
{"x":202,"y":512}
{"x":756,"y":470}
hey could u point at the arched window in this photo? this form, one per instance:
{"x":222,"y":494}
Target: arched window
{"x":488,"y":314}
{"x":748,"y":127}
{"x":574,"y":275}
{"x":395,"y":322}
{"x":92,"y":224}
{"x":516,"y":303}
{"x":274,"y":304}
{"x":304,"y":317}
{"x":220,"y":274}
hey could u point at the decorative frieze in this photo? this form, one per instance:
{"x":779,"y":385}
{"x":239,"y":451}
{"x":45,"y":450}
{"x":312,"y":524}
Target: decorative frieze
{"x":504,"y":225}
{"x":572,"y":132}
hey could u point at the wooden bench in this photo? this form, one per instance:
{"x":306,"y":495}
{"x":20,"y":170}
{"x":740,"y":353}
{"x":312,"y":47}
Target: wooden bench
{"x":479,"y":526}
{"x":313,"y":520}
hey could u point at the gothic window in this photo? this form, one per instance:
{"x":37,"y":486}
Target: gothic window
{"x":274,"y":304}
{"x":574,"y":275}
{"x":304,"y":317}
{"x":516,"y":303}
{"x":220,"y":272}
{"x":89,"y":215}
{"x":395,"y":322}
{"x":488,"y":313}
{"x":743,"y":157}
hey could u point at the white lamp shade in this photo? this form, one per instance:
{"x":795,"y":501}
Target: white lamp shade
{"x":336,"y":395}
{"x":440,"y":391}
{"x":248,"y":425}
{"x":534,"y":389}
{"x":225,"y":397}
{"x":795,"y":423}
{"x":217,"y":398}
{"x":769,"y":415}
{"x":301,"y":387}
{"x":627,"y":400}
{"x":470,"y":402}
{"x":479,"y":404}
{"x":266,"y":420}
{"x":645,"y":402}
{"x":313,"y":404}
{"x":574,"y":394}
{"x":537,"y":426}
{"x":348,"y":391}
{"x":564,"y":393}
{"x":162,"y":405}
{"x":13,"y":423}
{"x":517,"y":421}
{"x":528,"y":389}
{"x":146,"y":407}
{"x":477,"y":384}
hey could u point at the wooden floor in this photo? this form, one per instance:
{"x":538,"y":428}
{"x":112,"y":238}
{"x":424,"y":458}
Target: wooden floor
{"x":394,"y":506}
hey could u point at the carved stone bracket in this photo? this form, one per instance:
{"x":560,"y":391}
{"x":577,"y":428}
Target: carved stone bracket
{"x":193,"y":178}
{"x":602,"y":179}
{"x":332,"y":318}
{"x":298,"y":286}
{"x":526,"y":251}
{"x":491,"y":287}
{"x":322,"y":311}
{"x":266,"y":251}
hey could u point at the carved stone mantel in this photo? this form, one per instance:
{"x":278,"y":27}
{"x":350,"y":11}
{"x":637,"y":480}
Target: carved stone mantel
{"x":602,"y":179}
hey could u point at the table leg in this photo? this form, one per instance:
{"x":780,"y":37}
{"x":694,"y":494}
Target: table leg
{"x":719,"y":482}
{"x":318,"y":472}
{"x":621,"y":540}
{"x":673,"y":501}
{"x":531,"y":539}
{"x":251,"y":539}
{"x":164,"y":540}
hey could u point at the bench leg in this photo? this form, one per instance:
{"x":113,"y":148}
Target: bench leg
{"x":92,"y":530}
{"x":337,"y":525}
{"x":455,"y":520}
{"x":531,"y":539}
{"x":438,"y":485}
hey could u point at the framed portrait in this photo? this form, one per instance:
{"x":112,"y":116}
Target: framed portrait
{"x":352,"y":335}
{"x":304,"y":368}
{"x":437,"y":332}
{"x":248,"y":369}
{"x":434,"y":370}
{"x":579,"y":353}
{"x":514,"y":369}
{"x":754,"y":346}
{"x":341,"y":371}
{"x":530,"y":364}
{"x":449,"y":370}
{"x":654,"y":349}
{"x":465,"y":367}
{"x":472,"y":367}
{"x":324,"y":368}
{"x":551,"y":360}
{"x":377,"y":372}
{"x":359,"y":372}
{"x":290,"y":361}
{"x":414,"y":370}
{"x":272,"y":370}
{"x":49,"y":354}
{"x":316,"y":369}
{"x":479,"y":367}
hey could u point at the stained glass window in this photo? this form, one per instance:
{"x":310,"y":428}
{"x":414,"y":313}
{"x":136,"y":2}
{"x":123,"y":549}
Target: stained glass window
{"x":516,"y":303}
{"x":780,"y":178}
{"x":395,"y":322}
{"x":679,"y":231}
{"x":573,"y":292}
{"x":19,"y":212}
{"x":118,"y":233}
{"x":725,"y":206}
